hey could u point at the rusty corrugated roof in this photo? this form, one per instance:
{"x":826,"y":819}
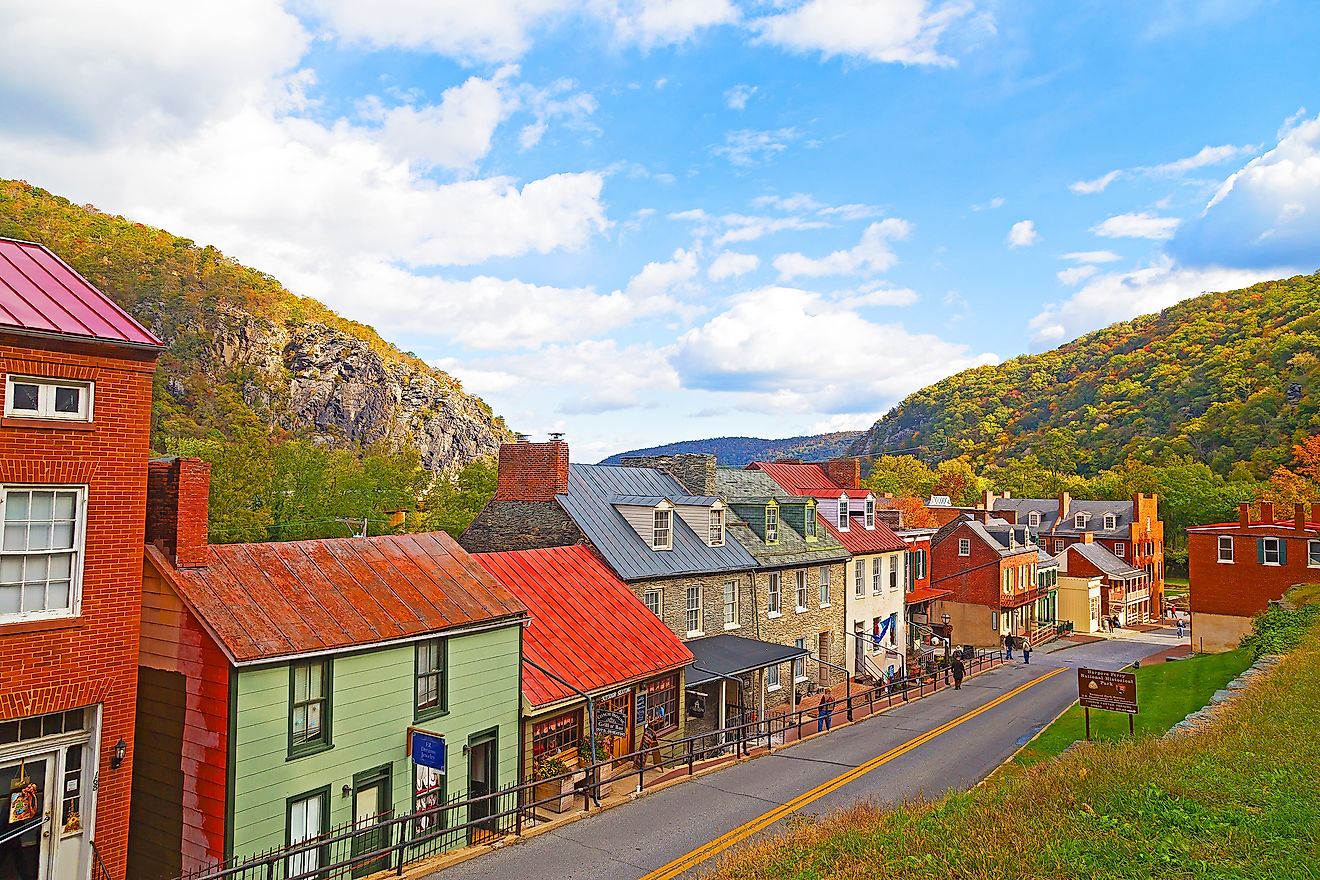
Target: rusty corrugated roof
{"x":587,"y":626}
{"x":274,"y":600}
{"x":40,"y":293}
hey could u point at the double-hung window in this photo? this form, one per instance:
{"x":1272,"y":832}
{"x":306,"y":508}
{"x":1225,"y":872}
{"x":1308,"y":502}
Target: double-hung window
{"x":774,"y":594}
{"x":1120,"y":549}
{"x":306,"y":821}
{"x":859,"y":578}
{"x":715,"y":536}
{"x":869,"y":515}
{"x":730,"y":604}
{"x":1111,"y":522}
{"x":809,"y":523}
{"x":41,"y":552}
{"x":772,"y":524}
{"x":772,"y":678}
{"x":654,"y":601}
{"x":893,"y":574}
{"x":920,"y":559}
{"x":694,"y":610}
{"x":1272,"y":551}
{"x":875,"y":576}
{"x":1313,"y":553}
{"x":432,"y":693}
{"x":964,"y":546}
{"x":62,"y":399}
{"x":309,"y":707}
{"x":1033,"y":519}
{"x":662,"y":533}
{"x":843,"y":513}
{"x":800,"y":664}
{"x":800,"y":576}
{"x":824,"y":586}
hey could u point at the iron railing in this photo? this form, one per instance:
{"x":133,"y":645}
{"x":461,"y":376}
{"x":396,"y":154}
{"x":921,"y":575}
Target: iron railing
{"x":392,"y":843}
{"x":99,"y":870}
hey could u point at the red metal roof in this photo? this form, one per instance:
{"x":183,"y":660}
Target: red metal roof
{"x":924,"y":594}
{"x":587,"y":625}
{"x":40,"y":293}
{"x":264,"y":601}
{"x":860,"y":540}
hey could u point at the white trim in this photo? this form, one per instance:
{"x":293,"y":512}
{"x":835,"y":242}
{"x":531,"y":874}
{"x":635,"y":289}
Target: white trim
{"x":45,"y":398}
{"x":78,"y":550}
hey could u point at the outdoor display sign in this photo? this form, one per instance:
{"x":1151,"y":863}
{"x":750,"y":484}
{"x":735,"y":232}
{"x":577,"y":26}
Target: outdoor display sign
{"x":1102,"y":689}
{"x":611,"y":723}
{"x":427,"y":749}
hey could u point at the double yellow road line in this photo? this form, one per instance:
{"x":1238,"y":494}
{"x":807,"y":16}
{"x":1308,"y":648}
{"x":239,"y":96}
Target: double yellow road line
{"x":742,"y":832}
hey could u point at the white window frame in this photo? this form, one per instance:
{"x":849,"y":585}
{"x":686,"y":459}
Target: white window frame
{"x":824,"y":586}
{"x":715,"y":527}
{"x":1033,"y":519}
{"x":662,"y":528}
{"x":1120,"y":549}
{"x":78,"y":550}
{"x":1313,"y":553}
{"x":658,"y":608}
{"x":46,"y":389}
{"x":306,"y":862}
{"x":772,"y":678}
{"x":1265,"y":551}
{"x":800,"y":582}
{"x":799,"y":663}
{"x":877,"y":583}
{"x":964,"y":546}
{"x":893,"y":574}
{"x":1059,"y":546}
{"x":1111,"y":521}
{"x":1080,"y":520}
{"x":842,"y":518}
{"x":809,"y":523}
{"x":772,"y":524}
{"x":692,"y":610}
{"x":731,"y":605}
{"x":869,"y":515}
{"x":859,"y":578}
{"x":774,"y":599}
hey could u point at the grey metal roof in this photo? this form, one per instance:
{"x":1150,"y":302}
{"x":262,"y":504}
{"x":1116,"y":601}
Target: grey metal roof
{"x":1045,"y":560}
{"x":1105,"y":561}
{"x":592,"y":489}
{"x":733,"y":655}
{"x":652,"y":500}
{"x":1048,"y":508}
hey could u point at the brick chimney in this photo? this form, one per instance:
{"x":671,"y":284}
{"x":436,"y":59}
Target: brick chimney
{"x":845,"y":472}
{"x":1244,"y":514}
{"x":1267,"y":511}
{"x":532,"y":471}
{"x":178,"y":495}
{"x":1065,"y":504}
{"x":1088,"y":538}
{"x":695,"y":471}
{"x":1299,"y":518}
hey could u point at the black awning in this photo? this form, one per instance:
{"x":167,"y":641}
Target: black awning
{"x":734,"y":655}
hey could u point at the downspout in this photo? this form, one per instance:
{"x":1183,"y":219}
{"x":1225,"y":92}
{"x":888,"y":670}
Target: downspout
{"x":591,"y":708}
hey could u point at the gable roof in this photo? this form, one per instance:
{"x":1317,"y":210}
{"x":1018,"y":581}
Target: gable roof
{"x":805,"y":479}
{"x":592,"y":493}
{"x":744,"y":488}
{"x":587,"y":626}
{"x":41,"y":294}
{"x":1048,"y":508}
{"x":279,"y":600}
{"x":1104,"y":560}
{"x":994,"y":533}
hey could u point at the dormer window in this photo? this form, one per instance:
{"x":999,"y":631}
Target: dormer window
{"x":1111,"y":521}
{"x":1033,"y":519}
{"x":1081,"y":519}
{"x":870,"y":513}
{"x":809,"y":523}
{"x":843,"y":513}
{"x":58,"y":399}
{"x":715,"y":536}
{"x":662,"y":534}
{"x":772,"y":523}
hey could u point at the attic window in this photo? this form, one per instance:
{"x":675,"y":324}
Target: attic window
{"x":870,"y":513}
{"x":772,"y":523}
{"x":809,"y":523}
{"x":1111,"y":521}
{"x":715,"y":537}
{"x":843,"y":513}
{"x":1081,"y":519}
{"x":1033,"y":519}
{"x":662,"y":535}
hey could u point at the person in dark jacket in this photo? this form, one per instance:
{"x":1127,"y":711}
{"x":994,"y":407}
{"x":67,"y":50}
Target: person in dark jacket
{"x":1008,"y":647}
{"x":959,"y":670}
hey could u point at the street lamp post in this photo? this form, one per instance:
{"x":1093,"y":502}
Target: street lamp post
{"x":948,"y":635}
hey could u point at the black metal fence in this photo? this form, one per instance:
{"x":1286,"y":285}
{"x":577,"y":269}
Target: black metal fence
{"x":390,"y":843}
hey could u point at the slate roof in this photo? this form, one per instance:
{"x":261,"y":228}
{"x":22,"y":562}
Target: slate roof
{"x":1045,"y":560}
{"x":592,"y":489}
{"x":1048,"y":508}
{"x":587,"y":626}
{"x":755,"y":488}
{"x":735,"y":655}
{"x":1105,"y":561}
{"x":278,"y":600}
{"x":40,"y":293}
{"x":810,"y":480}
{"x":994,"y":532}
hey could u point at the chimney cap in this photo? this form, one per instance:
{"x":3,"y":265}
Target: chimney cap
{"x":520,"y":437}
{"x":556,"y":436}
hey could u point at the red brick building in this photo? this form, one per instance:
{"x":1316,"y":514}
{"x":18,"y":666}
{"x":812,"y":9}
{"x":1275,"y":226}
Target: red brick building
{"x":990,"y":567}
{"x":1125,"y":592}
{"x":73,"y":471}
{"x":1236,"y":568}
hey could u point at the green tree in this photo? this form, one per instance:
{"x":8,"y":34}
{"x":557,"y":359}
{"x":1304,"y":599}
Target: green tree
{"x":901,"y":475}
{"x":454,"y":501}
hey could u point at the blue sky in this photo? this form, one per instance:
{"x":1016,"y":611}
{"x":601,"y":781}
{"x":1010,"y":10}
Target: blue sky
{"x":638,"y":221}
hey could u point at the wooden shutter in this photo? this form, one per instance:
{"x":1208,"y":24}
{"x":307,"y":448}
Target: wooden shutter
{"x":1260,"y":550}
{"x":1283,"y":551}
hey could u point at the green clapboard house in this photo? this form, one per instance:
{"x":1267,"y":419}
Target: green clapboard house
{"x":278,"y":684}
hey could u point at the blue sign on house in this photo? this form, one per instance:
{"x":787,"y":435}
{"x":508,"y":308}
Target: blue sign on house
{"x":428,"y":749}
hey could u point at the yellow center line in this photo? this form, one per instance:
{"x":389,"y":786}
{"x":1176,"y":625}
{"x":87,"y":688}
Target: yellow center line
{"x":742,"y":832}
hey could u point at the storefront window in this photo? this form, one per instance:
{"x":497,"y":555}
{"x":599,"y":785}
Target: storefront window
{"x":662,"y":701}
{"x":556,"y":734}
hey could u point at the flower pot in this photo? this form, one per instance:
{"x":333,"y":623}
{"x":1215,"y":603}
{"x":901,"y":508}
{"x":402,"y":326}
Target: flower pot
{"x":561,"y":790}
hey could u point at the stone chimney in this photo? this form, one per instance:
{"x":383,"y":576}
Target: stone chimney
{"x":1087,"y":538}
{"x":988,"y":499}
{"x":1244,"y":514}
{"x":845,"y":472}
{"x":532,"y":471}
{"x":1267,"y":511}
{"x":178,"y":496}
{"x":695,"y":471}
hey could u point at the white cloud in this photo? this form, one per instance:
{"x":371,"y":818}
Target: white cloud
{"x":747,"y":227}
{"x":1204,"y":157}
{"x":899,"y":31}
{"x":1023,"y":234}
{"x":731,"y":264}
{"x":996,"y":202}
{"x":876,"y":293}
{"x":1076,"y":274}
{"x":657,"y":281}
{"x":871,"y":254}
{"x":652,"y":23}
{"x":755,"y":347}
{"x":1267,"y":212}
{"x":1139,"y":225}
{"x":1121,"y":295}
{"x":748,"y":147}
{"x":1092,"y":257}
{"x":1099,"y":184}
{"x":737,"y":97}
{"x":491,"y":31}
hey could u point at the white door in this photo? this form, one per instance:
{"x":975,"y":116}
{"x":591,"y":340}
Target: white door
{"x":27,"y":801}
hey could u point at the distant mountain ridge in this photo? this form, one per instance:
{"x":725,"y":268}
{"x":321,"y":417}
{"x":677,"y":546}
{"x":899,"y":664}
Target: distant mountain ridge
{"x":243,"y":350}
{"x":740,"y":451}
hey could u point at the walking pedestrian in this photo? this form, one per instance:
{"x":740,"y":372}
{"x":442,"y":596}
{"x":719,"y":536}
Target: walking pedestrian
{"x":959,"y":670}
{"x":1026,"y":651}
{"x":1008,"y":646}
{"x":1181,"y":629}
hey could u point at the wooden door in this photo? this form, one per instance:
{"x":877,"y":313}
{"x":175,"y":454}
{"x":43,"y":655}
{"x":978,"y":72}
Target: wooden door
{"x":372,"y":804}
{"x":824,"y":645}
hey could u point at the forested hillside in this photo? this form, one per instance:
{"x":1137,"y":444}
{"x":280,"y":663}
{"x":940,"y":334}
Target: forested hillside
{"x":1224,"y":377}
{"x":738,"y":451}
{"x":308,"y":418}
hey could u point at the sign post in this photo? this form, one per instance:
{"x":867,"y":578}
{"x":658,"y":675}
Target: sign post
{"x":1102,"y":689}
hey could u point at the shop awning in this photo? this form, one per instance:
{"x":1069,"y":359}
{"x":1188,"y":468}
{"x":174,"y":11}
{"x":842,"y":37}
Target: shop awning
{"x":925,"y":594}
{"x":733,"y":656}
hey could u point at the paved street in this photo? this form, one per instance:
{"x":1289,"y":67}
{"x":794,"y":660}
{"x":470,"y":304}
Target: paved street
{"x":637,"y":839}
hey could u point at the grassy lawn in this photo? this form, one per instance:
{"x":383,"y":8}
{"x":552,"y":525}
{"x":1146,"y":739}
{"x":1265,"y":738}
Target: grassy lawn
{"x":1166,"y":693}
{"x":1236,"y":799}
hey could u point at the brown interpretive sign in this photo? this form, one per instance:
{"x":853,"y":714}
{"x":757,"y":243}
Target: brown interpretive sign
{"x":1102,"y":689}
